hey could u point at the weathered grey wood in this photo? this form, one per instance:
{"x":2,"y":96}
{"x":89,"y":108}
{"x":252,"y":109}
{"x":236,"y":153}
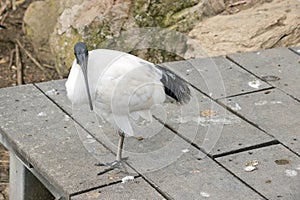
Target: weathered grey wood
{"x":170,"y":151}
{"x":280,"y":67}
{"x":56,"y":91}
{"x":216,"y":76}
{"x":135,"y":189}
{"x":47,"y":139}
{"x":31,"y":173}
{"x":189,"y":178}
{"x":273,"y":111}
{"x":37,"y":127}
{"x":23,"y":184}
{"x":277,"y":175}
{"x":222,"y":132}
{"x":213,"y":128}
{"x":154,"y":149}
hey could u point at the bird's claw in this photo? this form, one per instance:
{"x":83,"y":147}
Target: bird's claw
{"x":117,"y":164}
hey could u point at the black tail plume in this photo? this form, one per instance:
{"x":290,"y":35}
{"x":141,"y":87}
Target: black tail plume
{"x":175,"y":87}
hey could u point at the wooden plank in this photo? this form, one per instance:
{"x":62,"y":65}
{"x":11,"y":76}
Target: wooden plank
{"x":211,"y":127}
{"x":280,"y":67}
{"x":217,"y":134}
{"x":135,"y":189}
{"x":47,"y":139}
{"x":273,"y":111}
{"x":162,"y":153}
{"x":216,"y":76}
{"x":148,"y":151}
{"x":277,"y":175}
{"x":23,"y":184}
{"x":56,"y":90}
{"x":192,"y":178}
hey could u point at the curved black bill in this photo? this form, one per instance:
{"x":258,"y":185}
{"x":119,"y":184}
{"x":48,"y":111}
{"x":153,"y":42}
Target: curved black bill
{"x":83,"y":60}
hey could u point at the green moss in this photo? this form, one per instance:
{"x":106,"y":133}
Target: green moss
{"x":160,"y":13}
{"x":93,"y":35}
{"x":174,"y":15}
{"x":64,"y":52}
{"x":156,"y":56}
{"x":97,"y":32}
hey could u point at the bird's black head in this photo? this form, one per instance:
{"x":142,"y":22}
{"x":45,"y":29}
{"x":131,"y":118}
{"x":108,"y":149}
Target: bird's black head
{"x":82,"y":55}
{"x":80,"y":52}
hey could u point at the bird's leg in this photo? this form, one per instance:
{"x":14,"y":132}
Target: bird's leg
{"x":120,"y":145}
{"x":118,"y":162}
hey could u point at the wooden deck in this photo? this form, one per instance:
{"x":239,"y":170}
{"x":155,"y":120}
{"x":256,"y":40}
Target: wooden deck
{"x":245,"y":109}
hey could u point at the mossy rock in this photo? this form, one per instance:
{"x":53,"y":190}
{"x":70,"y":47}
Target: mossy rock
{"x":96,"y":22}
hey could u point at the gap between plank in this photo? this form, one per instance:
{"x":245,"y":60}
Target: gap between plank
{"x":235,"y":62}
{"x":213,"y":159}
{"x":240,"y":179}
{"x":245,"y":93}
{"x":97,"y":187}
{"x":254,"y":147}
{"x":153,"y":185}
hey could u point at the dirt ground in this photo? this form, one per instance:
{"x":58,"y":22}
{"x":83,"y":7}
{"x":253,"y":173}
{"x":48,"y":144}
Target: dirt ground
{"x":12,"y":20}
{"x":4,"y":169}
{"x":11,"y":31}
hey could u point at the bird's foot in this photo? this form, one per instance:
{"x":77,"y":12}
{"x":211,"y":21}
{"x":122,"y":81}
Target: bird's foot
{"x":117,"y":164}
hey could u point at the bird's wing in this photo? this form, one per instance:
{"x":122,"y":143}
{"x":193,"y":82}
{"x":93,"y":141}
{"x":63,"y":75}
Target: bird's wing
{"x":130,"y":84}
{"x":175,"y":87}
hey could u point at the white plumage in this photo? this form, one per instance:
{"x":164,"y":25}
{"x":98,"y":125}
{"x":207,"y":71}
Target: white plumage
{"x":119,"y":86}
{"x":124,"y":87}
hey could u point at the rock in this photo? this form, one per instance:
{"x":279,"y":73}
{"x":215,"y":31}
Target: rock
{"x":214,"y":27}
{"x":179,"y":15}
{"x":92,"y":21}
{"x":40,"y":19}
{"x":267,"y":26}
{"x":103,"y":23}
{"x":40,"y":26}
{"x":99,"y":21}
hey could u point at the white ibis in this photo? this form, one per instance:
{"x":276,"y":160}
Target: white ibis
{"x":121,"y":86}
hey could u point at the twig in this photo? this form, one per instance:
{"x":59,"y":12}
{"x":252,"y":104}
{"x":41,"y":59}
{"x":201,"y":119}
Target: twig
{"x":33,"y":59}
{"x":19,"y":67}
{"x":4,"y":18}
{"x":12,"y":52}
{"x":20,"y":2}
{"x":6,"y":5}
{"x":48,"y":66}
{"x":13,"y":3}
